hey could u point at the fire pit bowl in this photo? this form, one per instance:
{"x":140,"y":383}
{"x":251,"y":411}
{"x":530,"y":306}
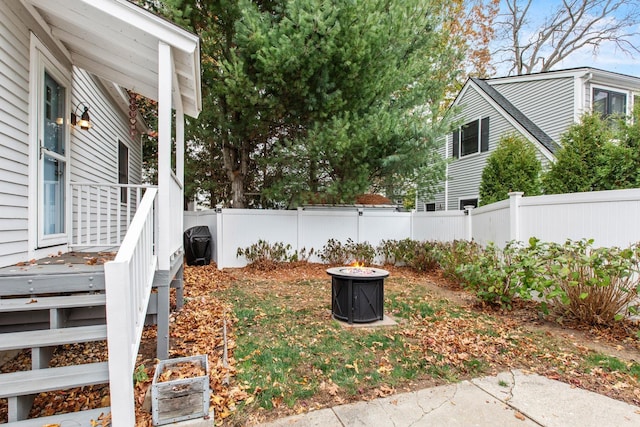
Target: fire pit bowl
{"x":357,"y":293}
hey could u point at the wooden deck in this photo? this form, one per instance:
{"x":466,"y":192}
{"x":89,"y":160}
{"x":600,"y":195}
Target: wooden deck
{"x":69,"y":263}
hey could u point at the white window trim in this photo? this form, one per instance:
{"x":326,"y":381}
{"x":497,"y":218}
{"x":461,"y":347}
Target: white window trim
{"x":41,"y":58}
{"x":627,"y":93}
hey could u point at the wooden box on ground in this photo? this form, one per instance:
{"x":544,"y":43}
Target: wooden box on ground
{"x":182,"y":398}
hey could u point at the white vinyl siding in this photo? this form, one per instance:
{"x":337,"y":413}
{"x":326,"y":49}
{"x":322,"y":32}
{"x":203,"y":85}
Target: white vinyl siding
{"x":14,"y":137}
{"x":94,"y":152}
{"x":548,"y":103}
{"x":465,"y":174}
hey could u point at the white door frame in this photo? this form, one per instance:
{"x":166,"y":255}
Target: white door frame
{"x":42,"y":60}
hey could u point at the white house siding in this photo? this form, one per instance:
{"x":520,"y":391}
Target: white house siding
{"x":94,"y":153}
{"x":548,"y":103}
{"x":465,"y":173}
{"x":14,"y":136}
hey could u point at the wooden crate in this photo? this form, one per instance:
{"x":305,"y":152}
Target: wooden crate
{"x":180,"y":399}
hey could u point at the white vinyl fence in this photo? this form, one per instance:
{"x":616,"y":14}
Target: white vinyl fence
{"x":612,"y":218}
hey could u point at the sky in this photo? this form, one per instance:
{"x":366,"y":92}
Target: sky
{"x":609,"y":57}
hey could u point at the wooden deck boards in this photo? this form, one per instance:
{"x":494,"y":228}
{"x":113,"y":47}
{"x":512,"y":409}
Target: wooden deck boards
{"x":69,"y":263}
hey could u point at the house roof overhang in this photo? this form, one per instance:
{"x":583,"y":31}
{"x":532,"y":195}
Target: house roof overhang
{"x":119,"y":41}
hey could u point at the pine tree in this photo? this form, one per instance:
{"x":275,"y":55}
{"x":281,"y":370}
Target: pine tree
{"x":513,"y":166}
{"x":320,"y":96}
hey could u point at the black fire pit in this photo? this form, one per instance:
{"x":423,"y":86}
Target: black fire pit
{"x":357,"y":293}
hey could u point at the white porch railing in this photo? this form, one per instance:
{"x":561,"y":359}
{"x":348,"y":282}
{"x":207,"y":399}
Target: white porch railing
{"x":128,"y":282}
{"x":102,"y":213}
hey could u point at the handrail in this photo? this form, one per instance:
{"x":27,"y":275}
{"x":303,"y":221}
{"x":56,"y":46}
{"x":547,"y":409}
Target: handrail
{"x":128,"y":282}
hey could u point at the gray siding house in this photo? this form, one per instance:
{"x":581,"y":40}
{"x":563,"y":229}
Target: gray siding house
{"x":71,"y":183}
{"x":540,"y":107}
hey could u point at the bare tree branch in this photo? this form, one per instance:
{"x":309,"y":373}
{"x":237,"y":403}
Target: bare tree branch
{"x":572,"y":26}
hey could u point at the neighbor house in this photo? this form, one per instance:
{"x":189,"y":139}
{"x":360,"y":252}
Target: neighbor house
{"x":71,"y":181}
{"x":539,"y":107}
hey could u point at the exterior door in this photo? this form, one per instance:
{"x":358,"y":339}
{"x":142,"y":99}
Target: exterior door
{"x":52,"y":166}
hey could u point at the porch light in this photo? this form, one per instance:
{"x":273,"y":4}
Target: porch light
{"x":85,"y":121}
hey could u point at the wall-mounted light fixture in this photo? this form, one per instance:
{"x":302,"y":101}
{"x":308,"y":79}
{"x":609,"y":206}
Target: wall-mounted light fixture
{"x":84,"y":122}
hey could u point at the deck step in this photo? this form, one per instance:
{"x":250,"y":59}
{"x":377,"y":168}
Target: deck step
{"x":52,"y":337}
{"x":48,"y":303}
{"x":82,"y":418}
{"x":23,"y":383}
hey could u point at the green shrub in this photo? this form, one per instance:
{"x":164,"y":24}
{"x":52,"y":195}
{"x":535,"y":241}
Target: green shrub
{"x":335,"y":252}
{"x":425,"y":257}
{"x":420,"y":256}
{"x":455,"y":254}
{"x":264,"y":253}
{"x":513,"y":166}
{"x":494,"y":274}
{"x":397,"y":252}
{"x":594,"y":285}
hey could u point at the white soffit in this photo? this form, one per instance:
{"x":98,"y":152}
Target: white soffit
{"x":118,"y":41}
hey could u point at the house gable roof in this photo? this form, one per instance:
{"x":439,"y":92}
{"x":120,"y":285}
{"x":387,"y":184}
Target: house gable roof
{"x":514,"y":113}
{"x":622,"y":81}
{"x":119,"y":41}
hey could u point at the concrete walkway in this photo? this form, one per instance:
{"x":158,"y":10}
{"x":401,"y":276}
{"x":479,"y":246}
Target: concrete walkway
{"x":512,"y":398}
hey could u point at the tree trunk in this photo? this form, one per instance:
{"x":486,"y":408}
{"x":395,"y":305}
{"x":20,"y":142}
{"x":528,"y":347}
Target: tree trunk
{"x":237,"y":191}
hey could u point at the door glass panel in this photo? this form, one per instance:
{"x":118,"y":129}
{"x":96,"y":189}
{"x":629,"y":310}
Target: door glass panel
{"x":53,"y":192}
{"x":54,"y":107}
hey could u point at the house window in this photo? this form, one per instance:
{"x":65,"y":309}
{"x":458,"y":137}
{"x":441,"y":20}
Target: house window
{"x":430,"y":207}
{"x":471,"y":138}
{"x":468,"y":202}
{"x":609,"y":103}
{"x":123,"y":169}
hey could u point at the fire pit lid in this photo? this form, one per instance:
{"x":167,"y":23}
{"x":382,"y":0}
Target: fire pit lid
{"x":348,"y":272}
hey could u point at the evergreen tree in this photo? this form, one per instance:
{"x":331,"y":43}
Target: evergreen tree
{"x":319,"y":96}
{"x":597,"y":155}
{"x":513,"y":166}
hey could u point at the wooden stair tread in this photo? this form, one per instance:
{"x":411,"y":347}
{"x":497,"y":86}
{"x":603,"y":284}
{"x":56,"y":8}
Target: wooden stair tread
{"x":82,"y":418}
{"x":52,"y":337}
{"x":47,"y":303}
{"x":23,"y":383}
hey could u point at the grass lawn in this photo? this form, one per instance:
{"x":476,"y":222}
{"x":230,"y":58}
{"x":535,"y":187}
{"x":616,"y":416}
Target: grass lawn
{"x":286,"y":355}
{"x":290,"y":356}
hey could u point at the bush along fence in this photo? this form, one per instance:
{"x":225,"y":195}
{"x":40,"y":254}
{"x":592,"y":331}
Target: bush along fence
{"x":595,"y":286}
{"x":608,"y":217}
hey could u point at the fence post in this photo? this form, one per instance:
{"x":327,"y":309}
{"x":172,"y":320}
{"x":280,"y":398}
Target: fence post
{"x":359,"y":231}
{"x":514,"y":215}
{"x":467,"y":212}
{"x":219,"y":237}
{"x":299,"y":236}
{"x":411,"y":217}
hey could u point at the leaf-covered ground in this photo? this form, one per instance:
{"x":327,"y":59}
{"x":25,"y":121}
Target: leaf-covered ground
{"x":293,"y":357}
{"x":285,"y":354}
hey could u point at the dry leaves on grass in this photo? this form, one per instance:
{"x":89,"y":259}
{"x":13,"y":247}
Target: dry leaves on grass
{"x":199,"y":329}
{"x":456,"y":341}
